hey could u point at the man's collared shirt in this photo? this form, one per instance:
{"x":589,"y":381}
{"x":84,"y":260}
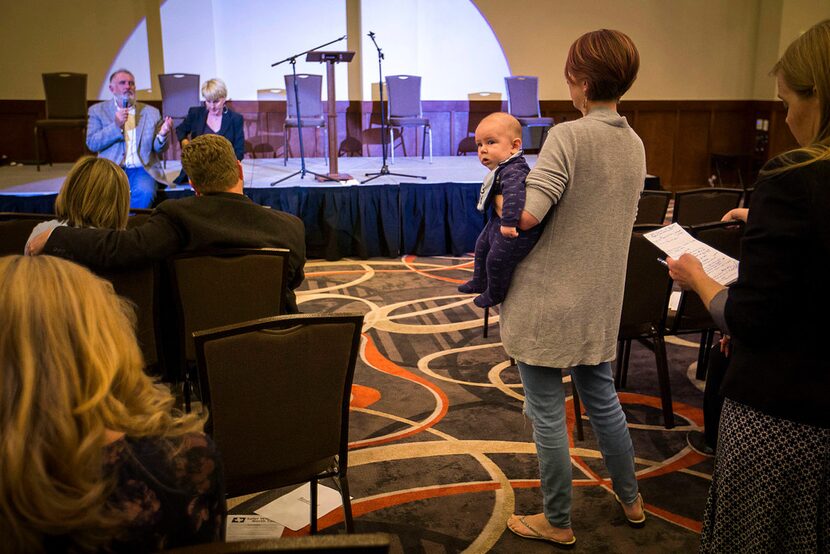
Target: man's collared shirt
{"x":131,"y":158}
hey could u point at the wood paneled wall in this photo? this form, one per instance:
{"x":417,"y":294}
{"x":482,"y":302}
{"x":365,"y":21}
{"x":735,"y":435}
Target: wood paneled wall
{"x":679,"y":136}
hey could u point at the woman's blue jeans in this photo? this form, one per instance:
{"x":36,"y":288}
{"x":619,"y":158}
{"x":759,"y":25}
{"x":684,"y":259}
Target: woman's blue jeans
{"x":545,"y":407}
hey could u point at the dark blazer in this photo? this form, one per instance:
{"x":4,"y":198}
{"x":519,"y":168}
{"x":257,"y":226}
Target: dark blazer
{"x":195,"y":124}
{"x":778,"y":309}
{"x":186,"y":225}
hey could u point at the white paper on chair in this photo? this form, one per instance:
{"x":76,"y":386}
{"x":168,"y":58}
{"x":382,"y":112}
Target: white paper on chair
{"x":293,"y":509}
{"x":675,"y":241}
{"x":242,"y":527}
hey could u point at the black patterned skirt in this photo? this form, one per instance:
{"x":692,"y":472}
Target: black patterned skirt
{"x":770,"y":490}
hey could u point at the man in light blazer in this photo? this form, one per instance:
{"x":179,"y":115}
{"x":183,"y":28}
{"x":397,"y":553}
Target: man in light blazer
{"x":130,"y":134}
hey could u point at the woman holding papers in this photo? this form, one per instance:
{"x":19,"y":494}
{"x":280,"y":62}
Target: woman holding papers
{"x":563,"y":308}
{"x":770,"y":489}
{"x":93,"y":456}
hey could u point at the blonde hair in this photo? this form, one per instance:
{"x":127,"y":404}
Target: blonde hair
{"x":210,"y":162}
{"x":70,"y":369}
{"x":96,"y":193}
{"x":214,"y":89}
{"x":805,"y":67}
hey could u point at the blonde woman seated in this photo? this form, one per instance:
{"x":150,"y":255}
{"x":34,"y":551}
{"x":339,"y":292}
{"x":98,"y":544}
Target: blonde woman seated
{"x":93,"y":455}
{"x":95,"y":193}
{"x":214,"y":117}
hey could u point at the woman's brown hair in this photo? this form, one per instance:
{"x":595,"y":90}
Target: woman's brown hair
{"x":608,"y":60}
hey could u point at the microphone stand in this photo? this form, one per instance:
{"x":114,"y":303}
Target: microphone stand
{"x":384,"y":169}
{"x":293,"y":61}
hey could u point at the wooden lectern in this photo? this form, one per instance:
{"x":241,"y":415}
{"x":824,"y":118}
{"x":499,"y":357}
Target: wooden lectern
{"x":331,"y":58}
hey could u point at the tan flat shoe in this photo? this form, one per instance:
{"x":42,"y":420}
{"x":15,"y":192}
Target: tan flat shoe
{"x":536,"y":535}
{"x":634,"y":522}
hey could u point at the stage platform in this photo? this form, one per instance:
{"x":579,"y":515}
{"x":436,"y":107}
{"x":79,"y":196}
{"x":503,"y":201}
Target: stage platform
{"x":389,"y":216}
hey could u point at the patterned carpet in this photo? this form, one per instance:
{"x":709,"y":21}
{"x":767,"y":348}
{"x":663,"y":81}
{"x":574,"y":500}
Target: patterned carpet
{"x":441,"y":452}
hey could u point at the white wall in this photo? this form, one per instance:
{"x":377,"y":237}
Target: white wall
{"x":253,"y":34}
{"x":192,"y":50}
{"x":691,"y":49}
{"x":447,"y":42}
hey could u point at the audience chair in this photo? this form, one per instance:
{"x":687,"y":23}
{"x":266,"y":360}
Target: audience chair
{"x":364,"y":543}
{"x":15,"y":229}
{"x":405,"y":111}
{"x":647,"y":289}
{"x":179,"y":93}
{"x":652,"y":207}
{"x":523,"y":102}
{"x":467,"y":145}
{"x":310,"y":88}
{"x":222,"y":287}
{"x":747,"y":197}
{"x":705,"y":205}
{"x":691,"y":315}
{"x":65,"y":107}
{"x":141,"y":287}
{"x":579,"y":434}
{"x":277,"y":391}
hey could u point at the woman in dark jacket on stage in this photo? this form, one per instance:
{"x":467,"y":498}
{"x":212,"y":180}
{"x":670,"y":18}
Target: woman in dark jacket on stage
{"x":770,"y":490}
{"x":212,"y":118}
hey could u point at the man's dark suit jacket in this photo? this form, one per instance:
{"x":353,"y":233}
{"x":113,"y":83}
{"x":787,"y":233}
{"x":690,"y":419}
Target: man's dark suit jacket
{"x":223,"y":220}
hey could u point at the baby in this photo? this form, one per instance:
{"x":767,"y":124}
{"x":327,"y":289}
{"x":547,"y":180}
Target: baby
{"x":500,"y":246}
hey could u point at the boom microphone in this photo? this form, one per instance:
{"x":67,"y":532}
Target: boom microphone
{"x":371,"y":34}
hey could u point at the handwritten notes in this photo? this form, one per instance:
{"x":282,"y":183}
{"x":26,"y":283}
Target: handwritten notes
{"x":675,"y":241}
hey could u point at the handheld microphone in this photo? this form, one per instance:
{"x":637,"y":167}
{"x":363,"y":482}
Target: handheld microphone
{"x":125,"y":101}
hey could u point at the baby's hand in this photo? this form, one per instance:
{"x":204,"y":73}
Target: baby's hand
{"x":509,"y":232}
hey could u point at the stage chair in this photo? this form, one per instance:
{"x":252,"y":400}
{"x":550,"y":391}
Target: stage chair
{"x":179,"y":93}
{"x":652,"y":207}
{"x":65,"y":107}
{"x":691,"y":315}
{"x":405,"y":111}
{"x":647,"y":289}
{"x":310,"y":88}
{"x":15,"y":229}
{"x":141,"y":287}
{"x":704,"y":205}
{"x":277,"y":392}
{"x":467,"y":145}
{"x":221,"y":287}
{"x":361,"y":543}
{"x":523,"y":102}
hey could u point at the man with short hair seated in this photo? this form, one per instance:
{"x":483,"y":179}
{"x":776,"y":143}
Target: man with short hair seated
{"x":131,"y":134}
{"x":219,"y":216}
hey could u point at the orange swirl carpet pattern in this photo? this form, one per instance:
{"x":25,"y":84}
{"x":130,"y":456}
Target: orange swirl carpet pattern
{"x":441,"y":454}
